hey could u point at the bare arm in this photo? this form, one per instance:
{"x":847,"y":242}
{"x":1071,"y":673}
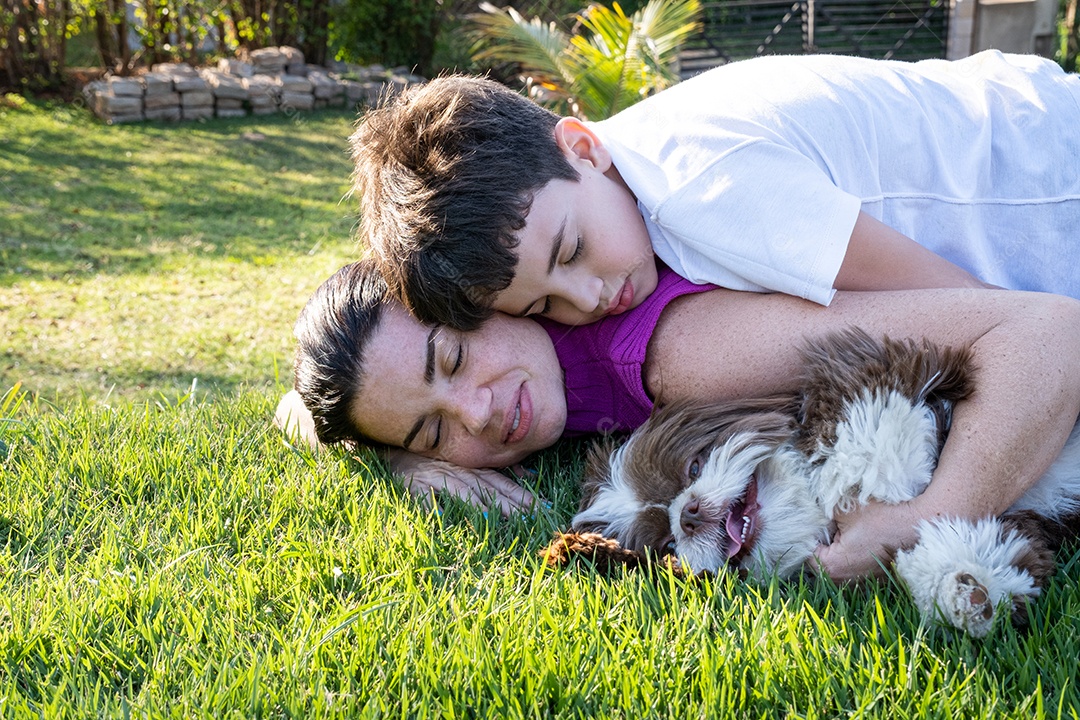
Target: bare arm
{"x":880,"y":258}
{"x":1004,"y":437}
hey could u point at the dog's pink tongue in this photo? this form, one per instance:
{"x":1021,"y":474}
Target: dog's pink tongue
{"x":734,"y":530}
{"x":737,"y":527}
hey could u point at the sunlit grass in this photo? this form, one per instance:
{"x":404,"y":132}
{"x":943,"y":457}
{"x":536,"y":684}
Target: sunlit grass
{"x":180,"y":559}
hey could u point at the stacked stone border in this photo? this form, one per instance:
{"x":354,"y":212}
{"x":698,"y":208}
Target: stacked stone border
{"x":267,"y":81}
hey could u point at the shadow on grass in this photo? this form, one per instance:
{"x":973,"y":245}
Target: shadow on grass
{"x":83,"y":198}
{"x":167,"y":387}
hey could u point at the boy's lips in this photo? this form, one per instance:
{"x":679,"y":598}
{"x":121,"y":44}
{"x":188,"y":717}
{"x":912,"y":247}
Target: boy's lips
{"x":519,"y":418}
{"x":621,"y":302}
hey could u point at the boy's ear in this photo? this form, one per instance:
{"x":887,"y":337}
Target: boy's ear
{"x":579,"y":143}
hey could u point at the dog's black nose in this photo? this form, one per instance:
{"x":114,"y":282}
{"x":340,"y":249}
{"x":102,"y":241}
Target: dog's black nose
{"x":690,"y":517}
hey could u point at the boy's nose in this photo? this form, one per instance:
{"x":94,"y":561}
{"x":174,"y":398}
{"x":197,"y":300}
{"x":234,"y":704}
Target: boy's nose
{"x":587,"y":295}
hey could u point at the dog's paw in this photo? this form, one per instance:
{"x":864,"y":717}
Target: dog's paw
{"x":966,"y":604}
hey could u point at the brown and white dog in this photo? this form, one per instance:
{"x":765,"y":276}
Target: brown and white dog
{"x":755,"y":485}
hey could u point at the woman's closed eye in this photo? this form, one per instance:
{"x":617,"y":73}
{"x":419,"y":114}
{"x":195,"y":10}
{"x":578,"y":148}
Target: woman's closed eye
{"x":459,"y":358}
{"x":454,"y":359}
{"x":452,"y":352}
{"x":438,"y":435}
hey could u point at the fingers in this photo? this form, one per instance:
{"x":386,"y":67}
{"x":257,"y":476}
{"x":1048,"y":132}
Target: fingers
{"x":511,"y":496}
{"x":866,"y":542}
{"x":843,"y":565}
{"x":486,"y":488}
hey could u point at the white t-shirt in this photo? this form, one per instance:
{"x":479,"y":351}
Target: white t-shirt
{"x":751,"y":176}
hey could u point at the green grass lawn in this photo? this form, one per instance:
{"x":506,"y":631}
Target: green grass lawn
{"x":135,"y":259}
{"x":163,"y":553}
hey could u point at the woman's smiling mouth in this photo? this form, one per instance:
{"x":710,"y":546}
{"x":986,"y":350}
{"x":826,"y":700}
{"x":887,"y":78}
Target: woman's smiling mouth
{"x":520,"y":418}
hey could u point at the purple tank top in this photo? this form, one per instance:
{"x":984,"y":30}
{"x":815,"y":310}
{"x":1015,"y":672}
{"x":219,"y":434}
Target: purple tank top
{"x":603,"y":362}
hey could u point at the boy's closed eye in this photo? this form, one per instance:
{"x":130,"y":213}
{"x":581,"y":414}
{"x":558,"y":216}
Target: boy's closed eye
{"x":543,"y":306}
{"x":578,"y":249}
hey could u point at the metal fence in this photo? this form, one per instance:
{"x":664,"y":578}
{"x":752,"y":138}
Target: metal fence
{"x":737,"y":29}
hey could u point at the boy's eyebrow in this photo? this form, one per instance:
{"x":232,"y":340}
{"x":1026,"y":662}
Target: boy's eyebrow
{"x":429,"y":377}
{"x":556,"y":247}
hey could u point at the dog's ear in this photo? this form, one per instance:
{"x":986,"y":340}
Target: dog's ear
{"x":774,"y":416}
{"x":768,"y":426}
{"x":605,"y":554}
{"x":597,"y":473}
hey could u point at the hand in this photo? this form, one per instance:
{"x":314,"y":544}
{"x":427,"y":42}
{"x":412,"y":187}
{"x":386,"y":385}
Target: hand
{"x":866,"y":541}
{"x":293,"y":418}
{"x":486,"y":488}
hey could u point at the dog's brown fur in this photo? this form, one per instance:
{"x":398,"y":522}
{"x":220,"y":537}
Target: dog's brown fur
{"x":851,"y":361}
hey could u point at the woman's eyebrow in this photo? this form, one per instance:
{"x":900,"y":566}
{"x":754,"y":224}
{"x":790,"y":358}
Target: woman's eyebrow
{"x":429,"y":361}
{"x":429,"y":377}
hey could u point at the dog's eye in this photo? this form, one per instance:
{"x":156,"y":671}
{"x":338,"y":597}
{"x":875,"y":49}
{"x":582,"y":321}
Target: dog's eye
{"x":694,"y":471}
{"x":668,"y":548}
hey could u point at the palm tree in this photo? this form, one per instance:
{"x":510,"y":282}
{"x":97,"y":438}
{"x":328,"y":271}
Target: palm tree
{"x":615,"y":62}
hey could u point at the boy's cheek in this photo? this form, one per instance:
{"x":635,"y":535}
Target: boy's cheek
{"x":649,"y":282}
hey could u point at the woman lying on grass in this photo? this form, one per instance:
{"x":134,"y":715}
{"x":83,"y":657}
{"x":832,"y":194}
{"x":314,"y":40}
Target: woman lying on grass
{"x":448,"y":404}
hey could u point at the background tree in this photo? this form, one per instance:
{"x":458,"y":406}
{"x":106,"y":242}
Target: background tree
{"x":1070,"y":37}
{"x":390,"y":32}
{"x":111,"y":35}
{"x":33,"y":43}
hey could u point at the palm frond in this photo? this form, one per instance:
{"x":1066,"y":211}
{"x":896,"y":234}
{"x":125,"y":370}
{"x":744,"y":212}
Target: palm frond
{"x":503,"y":34}
{"x":616,"y":61}
{"x":606,"y":76}
{"x":666,"y":25}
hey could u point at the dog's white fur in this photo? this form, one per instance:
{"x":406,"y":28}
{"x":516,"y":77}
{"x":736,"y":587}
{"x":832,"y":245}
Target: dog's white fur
{"x":885,"y":449}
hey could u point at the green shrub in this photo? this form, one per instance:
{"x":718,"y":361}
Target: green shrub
{"x":390,"y":32}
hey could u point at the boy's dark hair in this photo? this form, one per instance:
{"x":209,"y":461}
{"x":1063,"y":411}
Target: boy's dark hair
{"x":332,"y":334}
{"x":446,"y":174}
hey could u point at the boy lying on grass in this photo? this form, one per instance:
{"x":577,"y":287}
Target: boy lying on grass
{"x":445,"y":400}
{"x":802,"y":175}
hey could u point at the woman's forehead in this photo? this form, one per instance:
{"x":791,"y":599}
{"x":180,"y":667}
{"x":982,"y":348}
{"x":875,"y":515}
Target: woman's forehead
{"x":393,"y":368}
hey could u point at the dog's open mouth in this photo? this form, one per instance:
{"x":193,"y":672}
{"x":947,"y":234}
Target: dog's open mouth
{"x":742,"y":524}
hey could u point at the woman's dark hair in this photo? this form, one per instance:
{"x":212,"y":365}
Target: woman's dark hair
{"x":332,"y":334}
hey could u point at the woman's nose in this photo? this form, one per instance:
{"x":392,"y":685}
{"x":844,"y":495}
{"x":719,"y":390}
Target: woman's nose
{"x":474,"y":408}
